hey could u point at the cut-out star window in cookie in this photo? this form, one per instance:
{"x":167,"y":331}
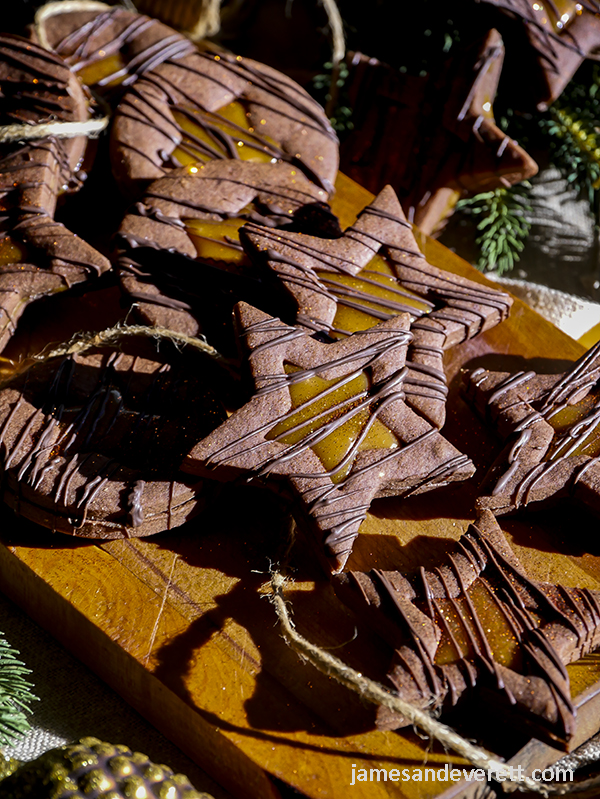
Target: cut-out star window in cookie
{"x":478,"y":623}
{"x":372,"y":273}
{"x":331,"y":421}
{"x":552,"y":427}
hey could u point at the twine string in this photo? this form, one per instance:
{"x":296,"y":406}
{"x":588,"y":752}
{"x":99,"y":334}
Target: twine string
{"x":377,"y":694}
{"x":82,"y":342}
{"x":61,"y":7}
{"x":91,"y":128}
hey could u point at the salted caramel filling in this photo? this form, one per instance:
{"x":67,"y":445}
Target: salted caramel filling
{"x":319,"y":406}
{"x":11,"y":251}
{"x":225,"y":133}
{"x":370,"y":296}
{"x":108,"y":71}
{"x":577,"y":427}
{"x":558,"y":14}
{"x":217,"y":240}
{"x":462,"y":636}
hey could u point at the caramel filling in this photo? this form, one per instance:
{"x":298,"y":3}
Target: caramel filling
{"x":319,"y":407}
{"x":558,"y":14}
{"x":11,"y":251}
{"x":462,"y":637}
{"x":101,"y":71}
{"x":369,"y":297}
{"x":225,"y":133}
{"x":578,"y":429}
{"x":217,"y":241}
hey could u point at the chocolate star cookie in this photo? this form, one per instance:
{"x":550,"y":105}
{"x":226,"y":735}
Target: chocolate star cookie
{"x":549,"y":41}
{"x":212,"y":105}
{"x":479,"y":623}
{"x":373,"y":272}
{"x":38,"y":256}
{"x":550,"y":423}
{"x":91,"y":443}
{"x":330,"y":420}
{"x":454,"y":145}
{"x":186,"y":228}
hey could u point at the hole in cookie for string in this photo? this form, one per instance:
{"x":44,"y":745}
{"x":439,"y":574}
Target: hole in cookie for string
{"x":338,"y":410}
{"x":225,"y":133}
{"x":369,"y":297}
{"x":461,"y":637}
{"x":577,"y":428}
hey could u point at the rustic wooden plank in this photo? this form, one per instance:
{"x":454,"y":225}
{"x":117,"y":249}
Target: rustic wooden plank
{"x":179,"y":624}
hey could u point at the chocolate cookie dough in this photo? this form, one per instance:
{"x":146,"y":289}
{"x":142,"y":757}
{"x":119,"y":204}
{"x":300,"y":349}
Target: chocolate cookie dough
{"x":213,"y":105}
{"x":373,"y":272}
{"x":38,"y":256}
{"x":108,"y":47}
{"x":550,"y":424}
{"x":431,"y":152}
{"x":91,"y":443}
{"x":186,"y":228}
{"x":478,"y":623}
{"x":331,"y":422}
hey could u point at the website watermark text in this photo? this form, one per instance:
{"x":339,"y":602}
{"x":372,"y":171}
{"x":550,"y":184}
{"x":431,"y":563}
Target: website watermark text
{"x":450,"y":774}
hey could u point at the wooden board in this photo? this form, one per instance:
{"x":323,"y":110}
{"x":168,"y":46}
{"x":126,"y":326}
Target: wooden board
{"x":181,"y":627}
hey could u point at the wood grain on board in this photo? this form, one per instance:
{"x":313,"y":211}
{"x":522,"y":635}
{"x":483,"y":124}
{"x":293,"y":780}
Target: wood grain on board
{"x":181,"y":626}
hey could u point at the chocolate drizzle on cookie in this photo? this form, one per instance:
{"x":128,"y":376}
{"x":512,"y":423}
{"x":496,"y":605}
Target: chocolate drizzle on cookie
{"x":91,"y":444}
{"x":478,"y":622}
{"x":551,"y":423}
{"x":330,"y":419}
{"x":372,"y":273}
{"x":39,"y":256}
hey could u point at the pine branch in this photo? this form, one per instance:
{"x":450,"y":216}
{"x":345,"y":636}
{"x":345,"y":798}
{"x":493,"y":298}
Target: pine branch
{"x":572,"y":128}
{"x":503,"y":225}
{"x":15,"y":695}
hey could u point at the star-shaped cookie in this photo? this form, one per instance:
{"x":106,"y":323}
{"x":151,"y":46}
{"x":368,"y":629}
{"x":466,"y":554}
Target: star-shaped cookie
{"x":549,"y":42}
{"x":38,"y":255}
{"x":330,"y":420}
{"x":191,"y":218}
{"x":373,"y":272}
{"x":551,"y":424}
{"x":479,"y":623}
{"x":431,"y":150}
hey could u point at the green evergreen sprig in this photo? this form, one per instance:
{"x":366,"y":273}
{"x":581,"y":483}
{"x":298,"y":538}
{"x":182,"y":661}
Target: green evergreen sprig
{"x":15,"y":694}
{"x":572,"y":128}
{"x":503,"y":226}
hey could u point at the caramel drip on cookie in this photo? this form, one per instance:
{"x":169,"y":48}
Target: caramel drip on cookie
{"x":225,"y":133}
{"x":369,"y":297}
{"x":318,"y":402}
{"x":337,"y":507}
{"x":218,"y":241}
{"x":479,"y":618}
{"x":105,"y":66}
{"x":183,"y":123}
{"x":11,"y":251}
{"x":577,"y":429}
{"x":571,"y":408}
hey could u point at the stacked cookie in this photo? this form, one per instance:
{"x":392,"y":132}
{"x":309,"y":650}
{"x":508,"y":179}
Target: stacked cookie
{"x":315,"y":358}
